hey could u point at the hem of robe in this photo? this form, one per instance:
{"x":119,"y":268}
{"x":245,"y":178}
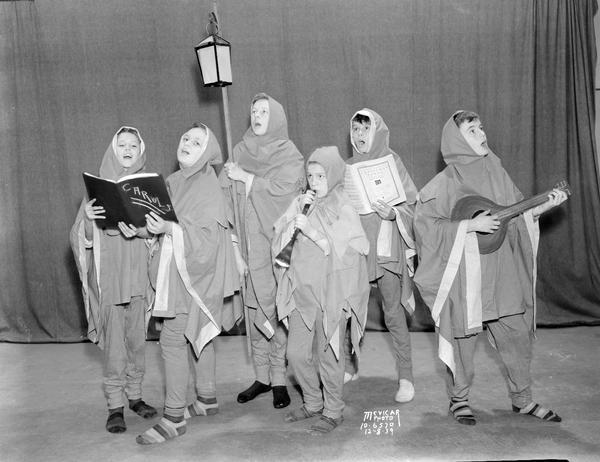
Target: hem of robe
{"x":404,"y":268}
{"x":173,"y":248}
{"x":332,"y":315}
{"x":465,"y":244}
{"x":533,"y":230}
{"x":81,"y":246}
{"x":468,"y":247}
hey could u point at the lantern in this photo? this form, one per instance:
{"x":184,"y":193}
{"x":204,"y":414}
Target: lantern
{"x":214,"y":57}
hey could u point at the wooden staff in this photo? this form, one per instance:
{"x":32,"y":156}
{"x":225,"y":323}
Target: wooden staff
{"x":233,"y":193}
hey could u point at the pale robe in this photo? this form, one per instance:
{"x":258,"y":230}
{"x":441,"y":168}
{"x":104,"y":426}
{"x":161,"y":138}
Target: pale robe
{"x":112,"y":269}
{"x":391,"y":242}
{"x":337,"y":284}
{"x":462,"y":288}
{"x":278,"y":176}
{"x":196,"y":266}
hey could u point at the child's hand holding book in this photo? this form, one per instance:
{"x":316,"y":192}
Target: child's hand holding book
{"x":94,"y":212}
{"x":156,"y":225}
{"x":385,"y":211}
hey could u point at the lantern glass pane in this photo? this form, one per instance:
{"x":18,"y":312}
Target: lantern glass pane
{"x":224,"y":60}
{"x":208,"y":64}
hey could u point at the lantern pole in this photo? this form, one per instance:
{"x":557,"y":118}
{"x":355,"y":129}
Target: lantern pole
{"x":234,"y":196}
{"x":225,"y":98}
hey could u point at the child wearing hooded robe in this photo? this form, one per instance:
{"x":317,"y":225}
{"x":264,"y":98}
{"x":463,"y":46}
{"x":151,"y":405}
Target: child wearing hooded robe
{"x":196,"y":270}
{"x":390,"y":234}
{"x":465,"y":290}
{"x":267,"y":174}
{"x":113,"y":268}
{"x":325,"y":285}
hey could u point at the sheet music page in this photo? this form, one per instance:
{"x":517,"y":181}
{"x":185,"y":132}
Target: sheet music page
{"x":380,"y":180}
{"x":355,"y":192}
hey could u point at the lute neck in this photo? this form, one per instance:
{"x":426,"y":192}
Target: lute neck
{"x":520,"y":207}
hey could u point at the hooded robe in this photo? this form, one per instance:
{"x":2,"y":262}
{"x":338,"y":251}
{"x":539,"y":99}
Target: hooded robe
{"x":337,"y":284}
{"x":278,"y":169}
{"x":462,"y":288}
{"x":112,"y":269}
{"x":390,"y":250}
{"x":196,"y":266}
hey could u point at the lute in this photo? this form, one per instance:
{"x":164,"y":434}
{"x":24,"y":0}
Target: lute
{"x":470,"y":206}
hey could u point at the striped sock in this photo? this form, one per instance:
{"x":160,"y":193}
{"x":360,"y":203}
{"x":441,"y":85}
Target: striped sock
{"x":538,"y":411}
{"x":462,"y":412}
{"x":164,"y":430}
{"x":202,"y":406}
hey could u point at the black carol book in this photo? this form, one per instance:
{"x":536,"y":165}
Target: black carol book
{"x":130,"y":198}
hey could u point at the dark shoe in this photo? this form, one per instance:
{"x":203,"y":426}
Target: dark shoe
{"x":142,"y":409}
{"x":281,"y":398}
{"x":116,"y":422}
{"x":253,"y":391}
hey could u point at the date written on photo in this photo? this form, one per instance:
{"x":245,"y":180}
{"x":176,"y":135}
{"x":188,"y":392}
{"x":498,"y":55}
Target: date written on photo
{"x":380,"y":422}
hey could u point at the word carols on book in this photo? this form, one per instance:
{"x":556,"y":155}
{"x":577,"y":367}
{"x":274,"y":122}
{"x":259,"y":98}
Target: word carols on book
{"x":130,"y":199}
{"x":372,"y":180}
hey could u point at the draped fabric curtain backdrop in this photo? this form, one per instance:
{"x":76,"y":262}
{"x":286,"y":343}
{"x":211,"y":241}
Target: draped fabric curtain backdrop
{"x":72,"y":72}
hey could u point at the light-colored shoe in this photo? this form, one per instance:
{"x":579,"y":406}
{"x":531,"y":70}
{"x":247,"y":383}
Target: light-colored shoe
{"x":406,"y":391}
{"x":348,"y":377}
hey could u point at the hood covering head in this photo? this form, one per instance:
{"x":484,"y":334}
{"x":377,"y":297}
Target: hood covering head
{"x":272,"y":157}
{"x":480,"y":172}
{"x":211,"y":153}
{"x":335,"y":167}
{"x":472,"y":173}
{"x":379,"y":146}
{"x":277,"y":128}
{"x":454,"y":147}
{"x":111,"y":168}
{"x":329,"y":158}
{"x":268,"y":154}
{"x":195,"y":190}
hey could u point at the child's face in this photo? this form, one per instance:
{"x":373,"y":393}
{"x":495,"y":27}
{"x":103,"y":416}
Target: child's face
{"x":317,"y":179}
{"x":259,"y":117}
{"x":360,"y":135}
{"x":191,"y":146}
{"x":128,"y":149}
{"x":474,"y":135}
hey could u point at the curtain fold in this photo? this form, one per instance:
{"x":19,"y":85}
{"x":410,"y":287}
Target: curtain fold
{"x":72,"y":72}
{"x":36,"y":275}
{"x":569,"y":257}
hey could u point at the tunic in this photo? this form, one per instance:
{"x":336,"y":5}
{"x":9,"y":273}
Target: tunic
{"x":195,"y":268}
{"x":112,"y":269}
{"x":382,"y":234}
{"x":337,"y":284}
{"x":278,"y":169}
{"x":462,"y":288}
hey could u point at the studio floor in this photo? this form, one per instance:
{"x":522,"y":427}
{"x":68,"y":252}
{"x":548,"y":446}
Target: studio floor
{"x":52,"y":408}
